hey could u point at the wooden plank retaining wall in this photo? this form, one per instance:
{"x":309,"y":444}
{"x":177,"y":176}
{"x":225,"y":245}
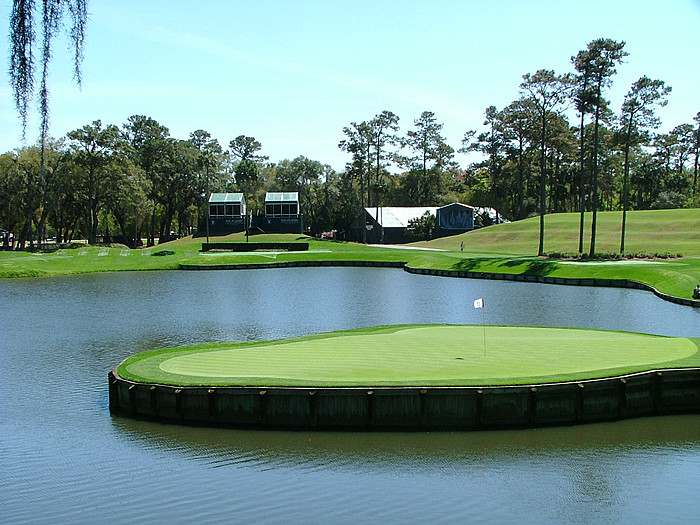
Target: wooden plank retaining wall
{"x":660,"y":392}
{"x":253,"y":246}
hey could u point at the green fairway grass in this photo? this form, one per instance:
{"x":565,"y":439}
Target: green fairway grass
{"x":650,"y":231}
{"x":509,"y":248}
{"x":504,"y":248}
{"x":416,"y":355}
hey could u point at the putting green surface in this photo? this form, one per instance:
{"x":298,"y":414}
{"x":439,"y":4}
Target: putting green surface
{"x":415,"y":355}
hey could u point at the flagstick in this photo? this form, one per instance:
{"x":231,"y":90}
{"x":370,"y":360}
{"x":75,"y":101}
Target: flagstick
{"x":479,"y":303}
{"x":483,"y":324}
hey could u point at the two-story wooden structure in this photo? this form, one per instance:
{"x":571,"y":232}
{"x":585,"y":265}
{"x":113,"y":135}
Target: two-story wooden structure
{"x":282,"y":213}
{"x":227,"y":213}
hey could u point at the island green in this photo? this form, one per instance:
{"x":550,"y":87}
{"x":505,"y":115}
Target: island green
{"x":415,"y":355}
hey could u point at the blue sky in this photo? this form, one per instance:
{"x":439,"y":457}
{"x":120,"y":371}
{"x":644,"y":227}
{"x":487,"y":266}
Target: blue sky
{"x":294,"y":73}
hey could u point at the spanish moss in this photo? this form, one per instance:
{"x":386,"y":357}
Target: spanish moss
{"x":22,"y":55}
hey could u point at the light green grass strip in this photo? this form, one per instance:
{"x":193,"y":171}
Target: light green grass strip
{"x":424,"y":355}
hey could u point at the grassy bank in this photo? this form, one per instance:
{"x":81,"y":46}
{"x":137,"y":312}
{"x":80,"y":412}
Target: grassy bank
{"x":416,"y":355}
{"x":506,"y":248}
{"x":653,"y":231}
{"x":511,"y":248}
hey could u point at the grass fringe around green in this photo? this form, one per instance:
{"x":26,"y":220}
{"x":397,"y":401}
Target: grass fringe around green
{"x":415,"y":355}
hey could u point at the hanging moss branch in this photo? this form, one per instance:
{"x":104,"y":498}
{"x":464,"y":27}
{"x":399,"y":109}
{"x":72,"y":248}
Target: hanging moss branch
{"x":78,"y":13}
{"x":51,"y":16}
{"x":23,"y":37}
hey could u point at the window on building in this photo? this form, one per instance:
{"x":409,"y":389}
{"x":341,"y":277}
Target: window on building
{"x":225,"y":210}
{"x":216,"y":210}
{"x":287,"y":209}
{"x":233,"y":210}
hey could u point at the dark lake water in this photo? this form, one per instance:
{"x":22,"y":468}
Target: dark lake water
{"x":64,"y":458}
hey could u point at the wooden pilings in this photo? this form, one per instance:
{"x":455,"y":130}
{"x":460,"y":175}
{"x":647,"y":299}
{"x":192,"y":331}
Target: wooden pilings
{"x":663,"y":392}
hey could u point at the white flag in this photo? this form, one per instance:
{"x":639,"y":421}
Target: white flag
{"x":479,"y":303}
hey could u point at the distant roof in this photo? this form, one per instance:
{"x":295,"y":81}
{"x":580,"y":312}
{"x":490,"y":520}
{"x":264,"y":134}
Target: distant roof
{"x":285,"y":196}
{"x":398,"y":217}
{"x":226,"y":197}
{"x":458,"y":204}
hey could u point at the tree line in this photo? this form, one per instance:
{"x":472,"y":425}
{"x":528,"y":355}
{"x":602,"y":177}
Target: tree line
{"x":135,"y":180}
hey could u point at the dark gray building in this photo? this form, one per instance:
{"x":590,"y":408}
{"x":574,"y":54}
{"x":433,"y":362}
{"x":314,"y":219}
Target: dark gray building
{"x":227,"y":213}
{"x":282,"y":213}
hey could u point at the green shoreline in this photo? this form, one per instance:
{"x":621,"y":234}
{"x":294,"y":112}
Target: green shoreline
{"x":673,"y":277}
{"x":496,"y":250}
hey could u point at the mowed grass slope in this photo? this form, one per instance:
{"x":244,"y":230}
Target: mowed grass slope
{"x":511,"y":248}
{"x":418,"y":355}
{"x":505,"y":248}
{"x":652,"y":231}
